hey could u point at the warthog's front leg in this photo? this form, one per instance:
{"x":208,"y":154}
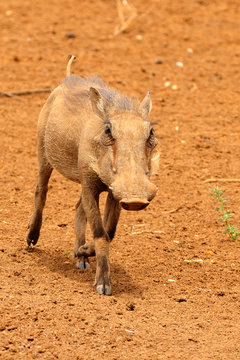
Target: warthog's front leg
{"x":111,"y":215}
{"x":102,"y":278}
{"x":101,"y":240}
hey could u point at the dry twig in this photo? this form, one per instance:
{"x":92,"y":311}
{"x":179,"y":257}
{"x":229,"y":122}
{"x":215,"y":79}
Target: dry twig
{"x":126,"y":13}
{"x":221,"y":180}
{"x":147,"y":231}
{"x":15,"y":94}
{"x":3,"y":93}
{"x":132,"y":232}
{"x":173,"y":210}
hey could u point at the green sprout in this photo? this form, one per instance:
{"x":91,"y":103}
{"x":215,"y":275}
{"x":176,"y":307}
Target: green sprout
{"x":226,"y":214}
{"x":68,"y":253}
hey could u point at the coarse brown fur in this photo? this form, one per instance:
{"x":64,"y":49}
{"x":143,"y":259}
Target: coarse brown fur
{"x":95,"y":136}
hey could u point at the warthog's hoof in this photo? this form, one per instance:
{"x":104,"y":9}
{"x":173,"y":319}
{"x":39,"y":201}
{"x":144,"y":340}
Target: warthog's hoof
{"x":29,"y":241}
{"x":32,"y":238}
{"x":103,"y":284}
{"x":87,"y":249}
{"x":83,"y":264}
{"x":104,"y":289}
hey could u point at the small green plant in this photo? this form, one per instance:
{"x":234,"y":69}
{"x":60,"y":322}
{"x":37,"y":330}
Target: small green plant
{"x":68,"y":253}
{"x":226,"y":214}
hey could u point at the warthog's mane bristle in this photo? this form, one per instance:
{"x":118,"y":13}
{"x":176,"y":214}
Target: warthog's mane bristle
{"x":76,"y":91}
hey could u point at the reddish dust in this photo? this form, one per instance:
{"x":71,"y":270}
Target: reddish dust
{"x":175,"y":274}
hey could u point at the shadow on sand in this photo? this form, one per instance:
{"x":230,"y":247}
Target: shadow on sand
{"x":65,"y":266}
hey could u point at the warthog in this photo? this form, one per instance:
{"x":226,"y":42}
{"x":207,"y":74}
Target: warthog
{"x":95,"y":136}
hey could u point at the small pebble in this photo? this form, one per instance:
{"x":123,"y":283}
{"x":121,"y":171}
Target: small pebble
{"x":139,"y":37}
{"x":181,"y":299}
{"x":158,"y":61}
{"x":70,"y":35}
{"x":194,"y":260}
{"x":190,"y":51}
{"x":179,"y":64}
{"x":130,"y":331}
{"x":171,"y":280}
{"x":167,"y":83}
{"x":209,"y":252}
{"x":130,"y":307}
{"x":16,"y":58}
{"x":174,"y":87}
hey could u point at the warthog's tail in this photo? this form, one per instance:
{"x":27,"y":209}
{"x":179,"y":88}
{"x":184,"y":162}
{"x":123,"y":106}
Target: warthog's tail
{"x":71,"y":59}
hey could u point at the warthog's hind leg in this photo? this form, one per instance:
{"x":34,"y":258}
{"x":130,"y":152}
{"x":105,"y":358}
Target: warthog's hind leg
{"x":35,"y":223}
{"x":80,"y":229}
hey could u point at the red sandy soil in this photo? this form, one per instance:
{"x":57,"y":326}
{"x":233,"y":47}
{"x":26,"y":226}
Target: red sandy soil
{"x":49,"y":308}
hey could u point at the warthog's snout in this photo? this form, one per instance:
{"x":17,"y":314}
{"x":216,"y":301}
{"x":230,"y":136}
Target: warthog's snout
{"x":134,"y":204}
{"x":134,"y":200}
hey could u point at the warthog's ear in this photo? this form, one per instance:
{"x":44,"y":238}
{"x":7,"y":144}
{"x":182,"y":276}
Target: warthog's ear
{"x":145,"y":106}
{"x":100,"y":105}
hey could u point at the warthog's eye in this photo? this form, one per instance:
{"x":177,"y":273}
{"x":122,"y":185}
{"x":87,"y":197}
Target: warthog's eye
{"x":151,"y":138}
{"x":108,"y":139}
{"x":108,"y":131}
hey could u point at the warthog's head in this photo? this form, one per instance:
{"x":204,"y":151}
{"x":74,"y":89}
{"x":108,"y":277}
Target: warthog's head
{"x":126,"y":145}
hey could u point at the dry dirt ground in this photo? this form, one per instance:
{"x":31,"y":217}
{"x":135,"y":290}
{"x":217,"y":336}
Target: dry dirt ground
{"x":176,"y":286}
